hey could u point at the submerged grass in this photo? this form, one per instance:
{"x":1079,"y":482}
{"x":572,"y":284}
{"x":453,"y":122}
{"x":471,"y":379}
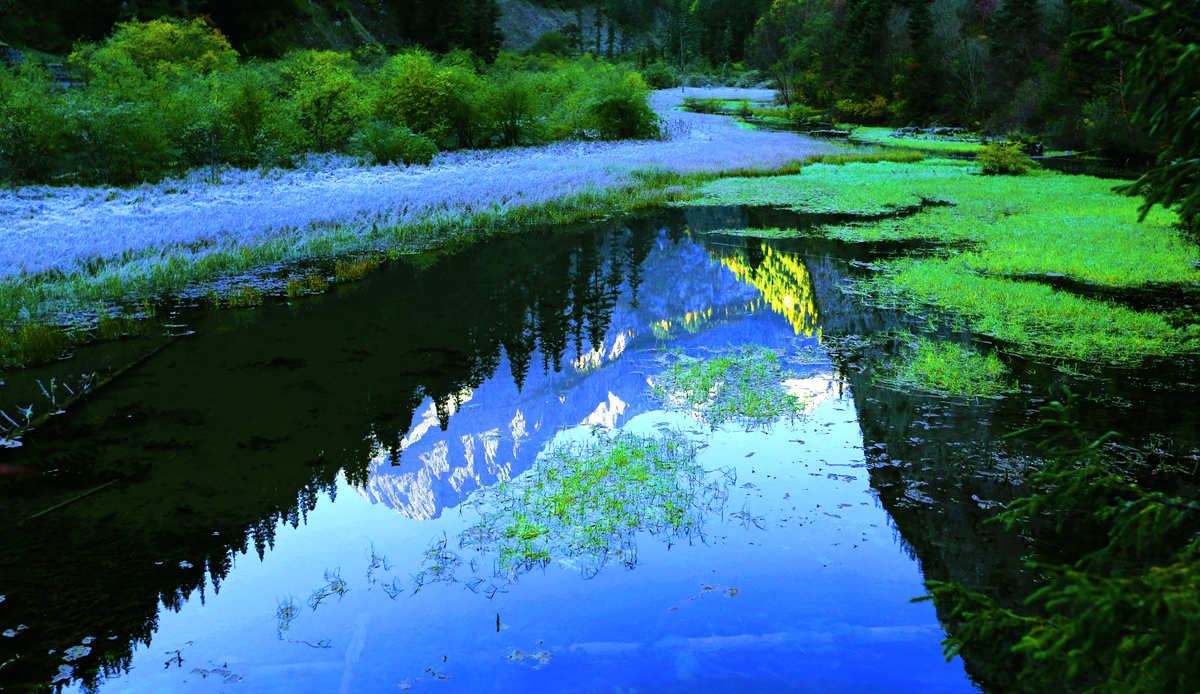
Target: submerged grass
{"x":307,"y":284}
{"x":585,"y":502}
{"x":945,"y":368}
{"x":1036,"y":226}
{"x":33,"y":343}
{"x":355,"y":270}
{"x":742,"y":384}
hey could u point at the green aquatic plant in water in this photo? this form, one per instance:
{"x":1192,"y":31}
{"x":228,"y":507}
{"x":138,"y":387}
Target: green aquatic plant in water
{"x":945,"y":368}
{"x":585,"y":503}
{"x":743,"y":384}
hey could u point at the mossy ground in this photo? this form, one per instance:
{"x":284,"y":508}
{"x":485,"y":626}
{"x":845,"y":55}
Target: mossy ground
{"x":1012,"y":227}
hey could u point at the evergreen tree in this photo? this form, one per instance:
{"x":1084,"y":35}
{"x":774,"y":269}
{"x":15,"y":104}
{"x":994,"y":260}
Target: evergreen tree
{"x":921,"y":79}
{"x":1163,"y":46}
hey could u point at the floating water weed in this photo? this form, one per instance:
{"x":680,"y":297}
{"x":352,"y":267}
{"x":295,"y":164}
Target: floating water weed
{"x":742,"y":384}
{"x":867,"y":158}
{"x":285,"y":614}
{"x":1016,"y":229}
{"x":585,"y":504}
{"x":114,"y":325}
{"x":438,"y":566}
{"x":334,"y":585}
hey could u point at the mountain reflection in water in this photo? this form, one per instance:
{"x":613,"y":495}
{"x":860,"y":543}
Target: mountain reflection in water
{"x":415,"y":387}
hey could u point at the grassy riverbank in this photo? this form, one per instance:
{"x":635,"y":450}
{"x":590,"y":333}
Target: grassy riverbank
{"x":1014,"y":237}
{"x":115,"y":297}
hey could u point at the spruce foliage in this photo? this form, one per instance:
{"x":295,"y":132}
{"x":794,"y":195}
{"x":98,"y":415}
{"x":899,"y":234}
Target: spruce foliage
{"x":1123,"y":613}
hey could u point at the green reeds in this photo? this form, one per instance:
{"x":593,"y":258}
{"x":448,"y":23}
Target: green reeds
{"x":742,"y":384}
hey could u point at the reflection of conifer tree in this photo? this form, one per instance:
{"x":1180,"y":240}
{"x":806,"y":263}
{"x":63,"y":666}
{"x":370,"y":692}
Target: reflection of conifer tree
{"x":604,"y":291}
{"x":441,"y":406}
{"x":551,"y":312}
{"x":519,"y":348}
{"x":754,"y":254}
{"x":637,"y":250}
{"x":586,"y":265}
{"x":427,"y":342}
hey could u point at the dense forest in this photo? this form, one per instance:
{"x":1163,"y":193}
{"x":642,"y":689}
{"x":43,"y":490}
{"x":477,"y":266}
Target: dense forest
{"x":1021,"y":65}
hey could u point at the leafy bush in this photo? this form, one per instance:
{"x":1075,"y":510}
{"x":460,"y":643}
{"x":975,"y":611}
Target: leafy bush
{"x":416,"y":92}
{"x":327,"y":100}
{"x":1109,"y":129}
{"x":250,"y":116}
{"x":698,"y":105}
{"x":146,"y":111}
{"x":802,"y":115}
{"x":551,"y":43}
{"x":619,"y":110}
{"x":511,"y":105}
{"x":1005,"y":158}
{"x":868,"y":112}
{"x":163,"y":45}
{"x":659,"y":75}
{"x":385,"y":143}
{"x":33,"y":127}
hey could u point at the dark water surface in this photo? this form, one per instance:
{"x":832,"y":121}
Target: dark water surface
{"x":327,"y":454}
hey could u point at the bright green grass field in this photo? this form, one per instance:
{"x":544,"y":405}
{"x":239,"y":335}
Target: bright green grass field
{"x":1040,"y":223}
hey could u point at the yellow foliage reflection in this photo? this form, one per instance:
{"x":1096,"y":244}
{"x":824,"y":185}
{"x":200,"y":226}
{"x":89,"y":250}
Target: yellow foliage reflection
{"x":785,"y":283}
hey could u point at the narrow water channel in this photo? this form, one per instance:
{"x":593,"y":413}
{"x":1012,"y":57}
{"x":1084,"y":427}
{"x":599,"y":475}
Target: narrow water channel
{"x":283,"y":500}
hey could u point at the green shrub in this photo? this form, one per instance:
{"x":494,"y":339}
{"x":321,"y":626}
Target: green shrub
{"x":871,"y":111}
{"x":463,"y":113}
{"x":698,"y":105}
{"x":802,"y":115}
{"x":34,"y":127}
{"x":415,"y":92}
{"x":122,"y":142}
{"x":618,"y":110}
{"x":1005,"y":158}
{"x":248,"y":112}
{"x":145,"y":112}
{"x":659,"y":75}
{"x":512,"y":106}
{"x":1108,"y":128}
{"x":327,"y":100}
{"x":551,"y":43}
{"x":385,"y":143}
{"x":166,"y":45}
